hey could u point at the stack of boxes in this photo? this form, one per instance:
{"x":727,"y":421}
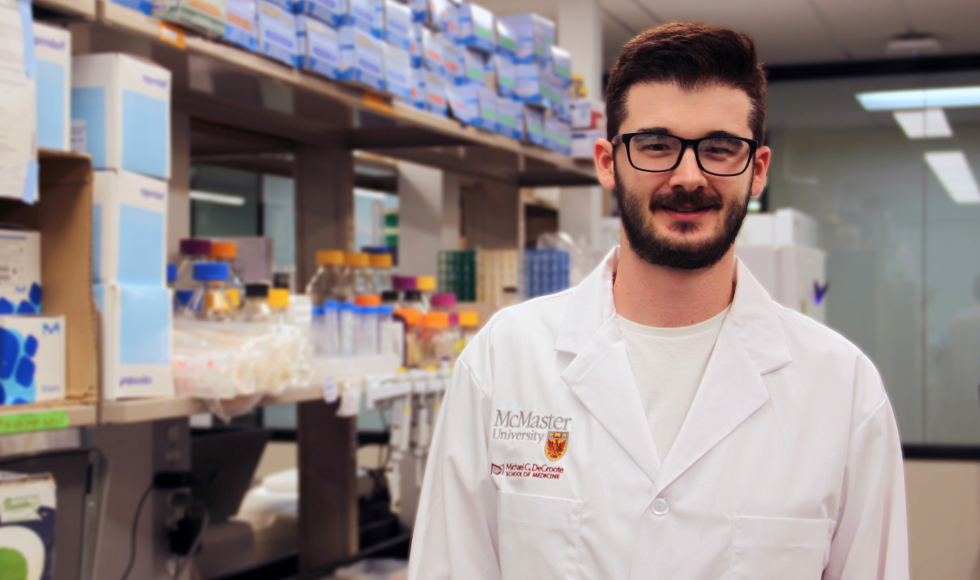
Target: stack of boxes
{"x":588,"y":124}
{"x":120,"y":114}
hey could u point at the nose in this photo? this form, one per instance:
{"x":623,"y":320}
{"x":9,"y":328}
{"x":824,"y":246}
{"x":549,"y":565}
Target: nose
{"x":688,"y":174}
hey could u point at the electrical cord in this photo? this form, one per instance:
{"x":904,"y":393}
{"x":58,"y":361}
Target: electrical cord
{"x":136,"y":521}
{"x":205,"y":520}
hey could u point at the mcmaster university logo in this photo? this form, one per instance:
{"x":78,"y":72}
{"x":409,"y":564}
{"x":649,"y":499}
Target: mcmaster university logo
{"x":556,"y":445}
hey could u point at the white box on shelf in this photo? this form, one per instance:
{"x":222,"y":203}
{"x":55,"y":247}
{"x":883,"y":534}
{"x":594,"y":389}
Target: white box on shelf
{"x":52,"y":49}
{"x":505,"y":72}
{"x":28,"y":512}
{"x":277,"y":33}
{"x":367,"y":15}
{"x":242,"y":23}
{"x":20,"y":271}
{"x":332,"y":12}
{"x":129,"y":229}
{"x":136,"y":341}
{"x":583,"y":143}
{"x":588,"y":114}
{"x":535,"y":36}
{"x":399,"y":28}
{"x":534,"y":125}
{"x":436,"y":100}
{"x":398,"y":71}
{"x":319,"y":46}
{"x":506,"y":39}
{"x":120,"y":113}
{"x":432,"y":49}
{"x":476,"y":29}
{"x":368,"y":60}
{"x":206,"y":16}
{"x":32,"y":364}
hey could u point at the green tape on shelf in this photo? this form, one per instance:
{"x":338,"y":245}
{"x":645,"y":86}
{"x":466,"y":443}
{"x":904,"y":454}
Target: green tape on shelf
{"x":33,"y":422}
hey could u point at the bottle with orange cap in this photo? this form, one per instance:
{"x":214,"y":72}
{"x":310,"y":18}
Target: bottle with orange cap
{"x":469,"y":324}
{"x":381,"y":265}
{"x":358,"y":274}
{"x":433,"y":339}
{"x":410,"y":319}
{"x":227,"y":252}
{"x":330,"y":280}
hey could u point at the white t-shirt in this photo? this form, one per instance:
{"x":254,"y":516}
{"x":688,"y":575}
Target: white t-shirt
{"x":668,"y":364}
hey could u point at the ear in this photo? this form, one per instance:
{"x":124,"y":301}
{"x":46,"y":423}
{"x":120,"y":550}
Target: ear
{"x":604,"y":164}
{"x":760,"y":170}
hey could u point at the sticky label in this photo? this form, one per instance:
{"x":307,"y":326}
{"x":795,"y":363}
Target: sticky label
{"x":27,"y":422}
{"x":172,"y":35}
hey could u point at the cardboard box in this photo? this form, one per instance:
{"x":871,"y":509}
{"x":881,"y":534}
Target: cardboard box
{"x":418,"y":88}
{"x":474,"y":67}
{"x":583,"y":143}
{"x":528,"y":86}
{"x":463,"y":106}
{"x":241,"y":28}
{"x":136,"y":341}
{"x":420,"y":10}
{"x":506,"y":39}
{"x":129,"y":229}
{"x":32,"y":365}
{"x":435,"y":94}
{"x":319,"y":47}
{"x":510,"y":118}
{"x":368,"y":16}
{"x":207,"y":16}
{"x":535,"y":37}
{"x":560,"y":66}
{"x":487,"y":107}
{"x":277,"y":33}
{"x":588,"y":114}
{"x":399,"y":27}
{"x":332,"y":12}
{"x":557,"y":135}
{"x":415,"y":50}
{"x":397,"y":71}
{"x":52,"y":51}
{"x":120,"y":113}
{"x":476,"y":27}
{"x":534,"y":125}
{"x":28,"y":511}
{"x":505,"y":74}
{"x":436,"y":13}
{"x":452,"y":62}
{"x":368,"y":60}
{"x":20,"y":271}
{"x":432,"y":49}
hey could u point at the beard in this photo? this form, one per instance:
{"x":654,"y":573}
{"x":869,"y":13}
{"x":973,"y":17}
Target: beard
{"x":659,"y":250}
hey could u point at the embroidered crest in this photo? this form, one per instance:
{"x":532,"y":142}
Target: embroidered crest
{"x":496,"y":469}
{"x":556,"y":445}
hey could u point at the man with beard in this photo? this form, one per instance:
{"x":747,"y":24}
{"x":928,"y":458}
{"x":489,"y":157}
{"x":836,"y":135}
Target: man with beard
{"x":666,"y":419}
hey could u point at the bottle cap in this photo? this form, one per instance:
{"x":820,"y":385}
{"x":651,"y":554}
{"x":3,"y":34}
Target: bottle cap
{"x":210,"y":271}
{"x":357,"y":259}
{"x":171,"y":273}
{"x":469,"y":319}
{"x":318,"y":311}
{"x":386,"y":309}
{"x":435,"y":320}
{"x":389,"y":297}
{"x":403,"y":282}
{"x":453,"y":318}
{"x":410,"y":315}
{"x":331,"y":305}
{"x":225,"y":250}
{"x":330,"y":258}
{"x":444,"y":300}
{"x":346,"y":306}
{"x":425,"y":283}
{"x":280,"y":280}
{"x":413,"y":296}
{"x":360,"y":309}
{"x":367,"y":300}
{"x":256,"y":291}
{"x":278,"y":298}
{"x":380,"y":260}
{"x":195,"y":247}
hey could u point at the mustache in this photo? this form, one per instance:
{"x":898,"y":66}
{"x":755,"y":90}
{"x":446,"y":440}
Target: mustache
{"x":677,"y":198}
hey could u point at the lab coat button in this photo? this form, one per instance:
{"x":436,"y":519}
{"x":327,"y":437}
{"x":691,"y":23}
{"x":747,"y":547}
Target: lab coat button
{"x":660,"y":506}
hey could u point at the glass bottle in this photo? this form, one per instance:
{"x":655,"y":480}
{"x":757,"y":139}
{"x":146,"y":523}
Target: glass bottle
{"x":357,"y":274}
{"x":433,"y":339}
{"x":279,"y":305}
{"x":209,"y":301}
{"x":171,"y":280}
{"x":318,"y":330}
{"x":427,"y":286}
{"x":348,"y":330}
{"x":227,"y":252}
{"x":256,"y":305}
{"x":192,"y":251}
{"x":330,"y":280}
{"x":331,"y":314}
{"x":409,"y":318}
{"x":381,"y":265}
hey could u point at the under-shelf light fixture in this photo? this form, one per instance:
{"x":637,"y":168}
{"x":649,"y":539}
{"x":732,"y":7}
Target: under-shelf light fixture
{"x":938,"y":98}
{"x":218,"y":198}
{"x":954,"y":173}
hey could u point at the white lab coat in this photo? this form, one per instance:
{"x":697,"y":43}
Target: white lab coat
{"x":788,"y":466}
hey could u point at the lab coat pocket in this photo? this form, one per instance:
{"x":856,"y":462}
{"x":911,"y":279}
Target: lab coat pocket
{"x":779,"y":548}
{"x":538,"y":536}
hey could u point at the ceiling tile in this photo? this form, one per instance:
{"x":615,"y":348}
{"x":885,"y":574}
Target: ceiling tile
{"x":864,"y":26}
{"x":955,"y":22}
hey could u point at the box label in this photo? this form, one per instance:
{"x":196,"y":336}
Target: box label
{"x":27,"y":422}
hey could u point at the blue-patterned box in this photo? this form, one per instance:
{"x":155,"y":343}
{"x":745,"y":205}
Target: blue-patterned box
{"x":32,"y":359}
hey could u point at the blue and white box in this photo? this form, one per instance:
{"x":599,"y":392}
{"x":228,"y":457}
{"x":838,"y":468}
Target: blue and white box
{"x":368,"y":15}
{"x":435,"y":94}
{"x":432,"y":49}
{"x":399,"y":27}
{"x":509,"y":118}
{"x":240,"y":26}
{"x":136,"y":341}
{"x":463,"y":103}
{"x":32,"y":359}
{"x":583,"y":143}
{"x":20,"y":271}
{"x":436,"y":13}
{"x":368,"y":60}
{"x":534,"y":125}
{"x":120,"y":113}
{"x":416,"y":49}
{"x":450,"y":21}
{"x":474,"y":67}
{"x":418,"y":88}
{"x":527,"y":83}
{"x":557,"y":135}
{"x":505,"y":72}
{"x":332,"y":12}
{"x":144,"y":6}
{"x":52,"y":51}
{"x":277,"y":33}
{"x":319,"y":46}
{"x":484,"y":105}
{"x":506,"y":39}
{"x":129,"y":229}
{"x":476,"y":29}
{"x":420,"y":10}
{"x":452,"y":61}
{"x":561,"y":66}
{"x":398,"y":71}
{"x":535,"y":36}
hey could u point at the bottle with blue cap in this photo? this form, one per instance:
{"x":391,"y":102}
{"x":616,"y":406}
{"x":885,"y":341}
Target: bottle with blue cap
{"x":171,"y":280}
{"x":331,"y":320}
{"x":210,"y":300}
{"x":348,"y":329}
{"x":318,"y":330}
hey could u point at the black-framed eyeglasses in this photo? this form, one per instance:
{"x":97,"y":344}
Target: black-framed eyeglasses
{"x":658,"y":152}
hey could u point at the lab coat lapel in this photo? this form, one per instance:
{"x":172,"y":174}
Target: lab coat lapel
{"x":750,"y":344}
{"x":600,"y":375}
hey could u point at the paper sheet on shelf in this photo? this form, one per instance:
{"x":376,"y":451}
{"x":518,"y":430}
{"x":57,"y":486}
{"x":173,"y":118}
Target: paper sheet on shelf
{"x":18,"y":141}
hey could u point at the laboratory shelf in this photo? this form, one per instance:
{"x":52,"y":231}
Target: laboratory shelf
{"x":54,"y":414}
{"x":84,"y":8}
{"x":139,"y":410}
{"x":224,"y":84}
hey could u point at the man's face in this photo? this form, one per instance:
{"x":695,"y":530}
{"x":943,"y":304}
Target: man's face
{"x":683,"y":218}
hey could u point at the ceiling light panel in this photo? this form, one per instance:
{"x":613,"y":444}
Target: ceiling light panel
{"x":942,"y":98}
{"x":218,"y":198}
{"x":931,"y":124}
{"x":954,"y":173}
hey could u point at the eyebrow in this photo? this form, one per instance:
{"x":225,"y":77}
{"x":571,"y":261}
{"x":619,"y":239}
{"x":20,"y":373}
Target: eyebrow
{"x":666,"y":131}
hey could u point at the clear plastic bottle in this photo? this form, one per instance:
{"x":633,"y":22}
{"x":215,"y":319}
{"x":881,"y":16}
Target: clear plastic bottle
{"x":227,"y":252}
{"x":433,"y":340}
{"x":446,"y":302}
{"x":192,"y":251}
{"x":412,"y":299}
{"x":381,"y":264}
{"x":358,"y":274}
{"x":330,"y":280}
{"x":348,"y":330}
{"x":331,"y":314}
{"x":367,"y":330}
{"x":318,"y":330}
{"x":209,"y":301}
{"x":427,"y":286}
{"x":171,"y":280}
{"x":279,"y":304}
{"x":387,"y":342}
{"x":410,"y":319}
{"x":256,"y":305}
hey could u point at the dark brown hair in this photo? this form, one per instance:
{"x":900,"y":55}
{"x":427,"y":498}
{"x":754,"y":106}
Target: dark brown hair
{"x":691,"y":55}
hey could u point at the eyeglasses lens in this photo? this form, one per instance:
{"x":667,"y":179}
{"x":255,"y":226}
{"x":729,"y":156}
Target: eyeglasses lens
{"x":719,"y":156}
